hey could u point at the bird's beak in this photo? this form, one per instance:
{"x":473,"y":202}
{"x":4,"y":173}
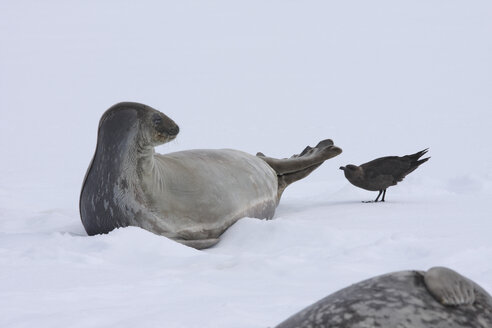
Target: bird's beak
{"x":342,"y":168}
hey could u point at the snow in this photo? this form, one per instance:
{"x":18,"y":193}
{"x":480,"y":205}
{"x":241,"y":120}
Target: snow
{"x":380,"y":78}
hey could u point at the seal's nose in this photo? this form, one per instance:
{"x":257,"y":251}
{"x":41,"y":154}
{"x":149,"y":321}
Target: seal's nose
{"x":174,"y":130}
{"x":342,"y":168}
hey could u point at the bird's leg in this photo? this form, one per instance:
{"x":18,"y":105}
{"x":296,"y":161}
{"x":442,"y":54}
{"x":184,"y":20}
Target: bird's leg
{"x":384,"y":194}
{"x":380,"y":192}
{"x":375,"y":201}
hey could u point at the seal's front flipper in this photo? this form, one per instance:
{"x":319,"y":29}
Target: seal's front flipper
{"x":449,"y":287}
{"x":198,"y":243}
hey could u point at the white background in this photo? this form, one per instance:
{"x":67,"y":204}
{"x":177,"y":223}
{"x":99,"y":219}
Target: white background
{"x":378,"y":77}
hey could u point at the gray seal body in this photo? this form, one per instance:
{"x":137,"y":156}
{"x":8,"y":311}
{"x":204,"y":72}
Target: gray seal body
{"x":190,"y":196}
{"x":438,"y":298}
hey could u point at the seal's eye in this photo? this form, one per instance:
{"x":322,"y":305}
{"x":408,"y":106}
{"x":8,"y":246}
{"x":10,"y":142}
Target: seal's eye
{"x":156,"y":119}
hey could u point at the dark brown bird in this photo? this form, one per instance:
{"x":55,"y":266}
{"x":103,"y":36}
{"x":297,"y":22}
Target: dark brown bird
{"x":384,"y":172}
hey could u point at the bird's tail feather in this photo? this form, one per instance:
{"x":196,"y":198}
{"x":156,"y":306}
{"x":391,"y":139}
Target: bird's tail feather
{"x":415,"y":161}
{"x":417,"y":155}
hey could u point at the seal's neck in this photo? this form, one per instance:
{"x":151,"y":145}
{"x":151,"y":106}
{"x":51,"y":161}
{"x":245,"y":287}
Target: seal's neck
{"x":129,"y":155}
{"x":121,"y":148}
{"x":144,"y":159}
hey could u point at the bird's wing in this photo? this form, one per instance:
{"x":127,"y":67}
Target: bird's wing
{"x":381,"y":181}
{"x":390,"y":167}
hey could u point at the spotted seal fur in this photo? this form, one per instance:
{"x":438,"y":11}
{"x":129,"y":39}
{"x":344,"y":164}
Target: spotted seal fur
{"x":438,"y":298}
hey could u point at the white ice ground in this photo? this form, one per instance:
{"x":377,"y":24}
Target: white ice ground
{"x":379,"y":77}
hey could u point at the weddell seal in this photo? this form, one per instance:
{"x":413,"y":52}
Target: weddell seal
{"x":384,"y":172}
{"x":438,"y":298}
{"x":189,"y":196}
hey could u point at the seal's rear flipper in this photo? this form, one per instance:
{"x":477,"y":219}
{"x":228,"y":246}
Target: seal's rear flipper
{"x":321,"y":144}
{"x":286,"y":179}
{"x":307,"y":158}
{"x":300,"y":166}
{"x":449,"y":287}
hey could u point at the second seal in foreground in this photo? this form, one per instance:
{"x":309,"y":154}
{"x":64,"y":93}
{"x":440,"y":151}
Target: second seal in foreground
{"x":438,"y":298}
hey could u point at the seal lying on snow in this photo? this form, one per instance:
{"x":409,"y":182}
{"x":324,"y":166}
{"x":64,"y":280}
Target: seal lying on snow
{"x":438,"y":298}
{"x":190,"y":196}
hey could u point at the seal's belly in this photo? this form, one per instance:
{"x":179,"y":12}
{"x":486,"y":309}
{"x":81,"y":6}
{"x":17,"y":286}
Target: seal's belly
{"x":205,"y":191}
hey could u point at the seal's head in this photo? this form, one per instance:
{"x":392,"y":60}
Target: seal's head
{"x":161,"y":129}
{"x":147,"y":125}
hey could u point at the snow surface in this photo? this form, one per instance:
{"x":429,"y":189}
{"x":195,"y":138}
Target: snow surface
{"x":379,"y":77}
